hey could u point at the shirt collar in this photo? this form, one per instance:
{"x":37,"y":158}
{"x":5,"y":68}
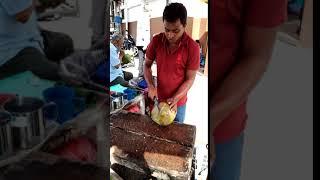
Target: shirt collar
{"x":183,"y":40}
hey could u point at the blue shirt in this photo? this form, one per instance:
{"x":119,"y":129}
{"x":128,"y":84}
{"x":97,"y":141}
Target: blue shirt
{"x":114,"y":61}
{"x":14,"y":35}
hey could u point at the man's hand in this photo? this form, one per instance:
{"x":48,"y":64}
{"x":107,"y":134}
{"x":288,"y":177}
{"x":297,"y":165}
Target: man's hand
{"x":152,"y":92}
{"x":174,"y":108}
{"x":218,"y":112}
{"x":24,"y":15}
{"x":173,"y":103}
{"x":121,"y":54}
{"x":73,"y":73}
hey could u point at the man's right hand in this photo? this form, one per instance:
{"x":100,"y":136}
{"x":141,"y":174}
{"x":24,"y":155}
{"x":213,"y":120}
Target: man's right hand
{"x":24,"y":15}
{"x":121,"y":54}
{"x":152,"y":92}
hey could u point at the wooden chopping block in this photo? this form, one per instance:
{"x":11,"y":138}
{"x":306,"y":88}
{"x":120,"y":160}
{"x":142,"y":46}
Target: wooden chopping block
{"x":139,"y":143}
{"x":183,"y":134}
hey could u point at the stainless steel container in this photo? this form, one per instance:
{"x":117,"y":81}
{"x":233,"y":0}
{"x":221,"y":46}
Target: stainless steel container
{"x":5,"y":133}
{"x":28,"y":125}
{"x":116,"y":101}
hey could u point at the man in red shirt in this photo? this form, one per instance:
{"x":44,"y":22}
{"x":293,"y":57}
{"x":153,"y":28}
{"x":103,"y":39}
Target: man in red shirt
{"x":177,"y":57}
{"x":241,"y":37}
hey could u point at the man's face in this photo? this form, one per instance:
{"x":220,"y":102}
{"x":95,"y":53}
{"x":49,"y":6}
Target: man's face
{"x":173,"y":30}
{"x":118,"y":44}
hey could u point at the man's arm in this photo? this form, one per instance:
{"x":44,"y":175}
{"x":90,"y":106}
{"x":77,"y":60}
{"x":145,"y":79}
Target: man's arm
{"x":256,"y":54}
{"x":148,"y":72}
{"x":152,"y":90}
{"x":184,"y":88}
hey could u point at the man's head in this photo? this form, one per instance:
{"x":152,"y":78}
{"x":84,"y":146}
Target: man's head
{"x":117,"y":40}
{"x":174,"y":20}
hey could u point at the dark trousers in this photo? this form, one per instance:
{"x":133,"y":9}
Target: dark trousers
{"x":123,"y":81}
{"x":45,"y":66}
{"x":30,"y":59}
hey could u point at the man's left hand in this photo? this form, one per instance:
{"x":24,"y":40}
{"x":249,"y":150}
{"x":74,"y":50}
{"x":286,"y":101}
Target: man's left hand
{"x":24,"y":15}
{"x":172,"y":103}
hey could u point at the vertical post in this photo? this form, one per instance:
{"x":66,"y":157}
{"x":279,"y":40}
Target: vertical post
{"x":126,"y":11}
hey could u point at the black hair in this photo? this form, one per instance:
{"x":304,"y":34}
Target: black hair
{"x":175,"y":11}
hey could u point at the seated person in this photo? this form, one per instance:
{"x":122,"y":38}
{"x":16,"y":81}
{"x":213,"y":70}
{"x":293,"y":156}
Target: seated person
{"x":21,"y":44}
{"x":117,"y":75}
{"x":92,"y":65}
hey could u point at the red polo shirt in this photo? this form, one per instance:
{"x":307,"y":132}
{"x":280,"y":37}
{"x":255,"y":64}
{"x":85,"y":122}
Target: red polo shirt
{"x":172,"y":67}
{"x":228,"y":18}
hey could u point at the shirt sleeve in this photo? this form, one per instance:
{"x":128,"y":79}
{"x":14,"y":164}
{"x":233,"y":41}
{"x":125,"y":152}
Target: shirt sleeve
{"x":114,"y":59}
{"x":151,"y":51}
{"x":194,"y":57}
{"x":13,"y":7}
{"x":265,"y":14}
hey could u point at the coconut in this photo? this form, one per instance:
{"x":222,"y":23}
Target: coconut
{"x":163,"y":115}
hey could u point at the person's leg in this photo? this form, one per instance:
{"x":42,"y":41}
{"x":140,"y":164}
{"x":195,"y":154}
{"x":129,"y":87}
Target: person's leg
{"x":127,"y":75}
{"x":181,"y":113}
{"x":30,"y":59}
{"x":57,"y":45}
{"x":119,"y":80}
{"x":228,"y":160}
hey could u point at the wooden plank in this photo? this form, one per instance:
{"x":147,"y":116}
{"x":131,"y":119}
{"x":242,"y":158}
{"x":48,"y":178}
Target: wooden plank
{"x":145,"y":153}
{"x":179,"y":133}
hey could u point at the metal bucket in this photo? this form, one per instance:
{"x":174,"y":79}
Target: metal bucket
{"x":116,"y":101}
{"x":28,"y":124}
{"x":5,"y":133}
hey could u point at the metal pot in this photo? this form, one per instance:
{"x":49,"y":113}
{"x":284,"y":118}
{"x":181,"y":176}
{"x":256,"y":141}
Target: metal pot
{"x":116,"y":101}
{"x":28,"y":125}
{"x":5,"y":133}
